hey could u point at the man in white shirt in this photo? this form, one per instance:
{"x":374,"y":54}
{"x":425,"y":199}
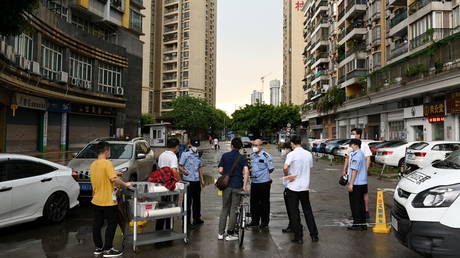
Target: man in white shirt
{"x":297,"y":168}
{"x":356,"y":133}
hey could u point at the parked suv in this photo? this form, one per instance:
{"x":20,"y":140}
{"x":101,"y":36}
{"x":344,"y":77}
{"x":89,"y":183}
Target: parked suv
{"x":423,"y":154}
{"x":131,"y":157}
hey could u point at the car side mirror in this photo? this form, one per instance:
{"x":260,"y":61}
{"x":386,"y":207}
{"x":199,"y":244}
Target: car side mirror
{"x":140,"y":156}
{"x":74,"y":154}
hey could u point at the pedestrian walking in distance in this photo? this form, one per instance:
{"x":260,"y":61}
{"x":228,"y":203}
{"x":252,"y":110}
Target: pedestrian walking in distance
{"x":235,"y":165}
{"x":357,"y":185}
{"x":297,"y":165}
{"x":284,"y":152}
{"x":216,"y":144}
{"x":192,"y":168}
{"x":210,"y":140}
{"x":356,"y":133}
{"x":103,"y":178}
{"x":262,"y":167}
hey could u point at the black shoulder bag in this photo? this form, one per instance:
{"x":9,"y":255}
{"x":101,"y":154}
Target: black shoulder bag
{"x":223,"y":181}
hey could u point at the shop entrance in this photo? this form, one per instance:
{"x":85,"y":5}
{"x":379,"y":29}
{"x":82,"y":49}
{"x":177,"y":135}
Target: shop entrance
{"x":418,"y":133}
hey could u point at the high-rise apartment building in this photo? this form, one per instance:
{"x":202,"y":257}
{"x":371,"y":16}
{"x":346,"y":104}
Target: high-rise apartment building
{"x":182,"y":48}
{"x":257,"y":97}
{"x":293,"y":46}
{"x":394,"y":69}
{"x":275,"y":92}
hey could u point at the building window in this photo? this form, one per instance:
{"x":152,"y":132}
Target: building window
{"x":185,"y":54}
{"x":57,"y":6}
{"x":109,"y":78}
{"x":420,"y":26}
{"x":184,"y":84}
{"x":183,"y":93}
{"x":136,"y":21}
{"x":23,"y":45}
{"x":186,"y":34}
{"x":80,"y":69}
{"x":168,"y":95}
{"x":51,"y":60}
{"x":185,"y":64}
{"x":186,"y":5}
{"x":186,"y":15}
{"x":376,"y":57}
{"x":186,"y":25}
{"x":117,"y":4}
{"x":185,"y":75}
{"x":186,"y":44}
{"x":166,"y":105}
{"x":456,"y":17}
{"x":397,"y":131}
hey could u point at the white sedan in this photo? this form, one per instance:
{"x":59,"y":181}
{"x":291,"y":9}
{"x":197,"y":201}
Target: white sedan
{"x":344,"y":149}
{"x":423,"y":154}
{"x":394,"y":155}
{"x":31,"y":188}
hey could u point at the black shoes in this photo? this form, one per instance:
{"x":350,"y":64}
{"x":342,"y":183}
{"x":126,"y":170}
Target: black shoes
{"x":98,"y":251}
{"x":314,"y":239}
{"x":263,"y":226}
{"x":287,"y":230}
{"x":357,"y":228}
{"x":297,"y":241}
{"x":112,"y":253}
{"x":197,"y":222}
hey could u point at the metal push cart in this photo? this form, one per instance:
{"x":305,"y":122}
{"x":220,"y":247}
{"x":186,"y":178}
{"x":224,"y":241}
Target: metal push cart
{"x":171,"y":204}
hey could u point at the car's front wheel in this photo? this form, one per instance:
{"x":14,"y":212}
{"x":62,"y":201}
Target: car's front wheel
{"x":56,"y":207}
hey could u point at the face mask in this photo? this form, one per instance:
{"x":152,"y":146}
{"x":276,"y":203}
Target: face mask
{"x":283,"y":153}
{"x":352,"y":136}
{"x":194,"y":149}
{"x":255,"y":149}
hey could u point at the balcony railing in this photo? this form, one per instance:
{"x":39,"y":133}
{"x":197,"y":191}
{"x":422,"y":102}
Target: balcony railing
{"x":169,"y":29}
{"x":419,"y":4}
{"x":169,"y":78}
{"x":169,"y":20}
{"x":356,"y":25}
{"x":342,"y":79}
{"x":398,"y":18}
{"x":321,"y":55}
{"x":341,"y":14}
{"x":322,"y":3}
{"x":340,"y":58}
{"x":342,"y":34}
{"x":356,"y":73}
{"x":352,"y":3}
{"x":353,"y":50}
{"x":170,"y":57}
{"x":319,"y":22}
{"x":428,"y":36}
{"x":170,"y":1}
{"x":321,"y":73}
{"x":172,"y":10}
{"x":399,"y":50}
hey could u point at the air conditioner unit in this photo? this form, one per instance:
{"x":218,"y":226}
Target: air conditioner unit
{"x":26,"y":65}
{"x":73,"y":81}
{"x":35,"y":67}
{"x":64,"y":77}
{"x":119,"y":91}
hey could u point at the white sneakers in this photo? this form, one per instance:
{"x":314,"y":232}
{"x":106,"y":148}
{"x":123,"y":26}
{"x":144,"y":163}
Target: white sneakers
{"x":227,"y":238}
{"x":231,"y":238}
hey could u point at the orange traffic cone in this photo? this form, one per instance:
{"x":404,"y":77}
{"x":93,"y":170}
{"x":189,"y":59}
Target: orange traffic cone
{"x":381,"y":226}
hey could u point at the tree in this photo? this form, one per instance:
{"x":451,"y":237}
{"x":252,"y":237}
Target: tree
{"x":265,"y":119}
{"x":148,"y":118}
{"x":12,"y":20}
{"x":192,"y":114}
{"x":220,"y":121}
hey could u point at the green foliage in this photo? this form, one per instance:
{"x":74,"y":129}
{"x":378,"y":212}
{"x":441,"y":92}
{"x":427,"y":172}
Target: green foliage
{"x":12,"y":21}
{"x":331,"y":100}
{"x":415,"y":69}
{"x":196,"y":116}
{"x":148,"y":118}
{"x":263,"y":118}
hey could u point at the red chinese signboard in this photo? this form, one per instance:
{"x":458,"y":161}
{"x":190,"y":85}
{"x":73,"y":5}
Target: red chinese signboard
{"x":299,"y":5}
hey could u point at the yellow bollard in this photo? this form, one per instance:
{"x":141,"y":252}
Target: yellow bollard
{"x":381,"y":226}
{"x":219,"y":193}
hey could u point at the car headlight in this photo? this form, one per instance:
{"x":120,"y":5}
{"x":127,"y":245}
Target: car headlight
{"x":438,"y":197}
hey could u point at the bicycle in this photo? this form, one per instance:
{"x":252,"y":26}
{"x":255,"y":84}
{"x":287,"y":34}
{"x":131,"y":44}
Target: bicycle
{"x":242,"y":216}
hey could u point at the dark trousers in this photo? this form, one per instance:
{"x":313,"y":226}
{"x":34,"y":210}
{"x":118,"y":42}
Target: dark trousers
{"x":358,"y":209}
{"x":102,"y":213}
{"x":293,"y":202}
{"x":194,"y":201}
{"x":260,"y":203}
{"x":287,"y":209}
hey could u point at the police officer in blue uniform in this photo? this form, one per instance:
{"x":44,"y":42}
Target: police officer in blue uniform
{"x":191,"y":167}
{"x":357,"y":185}
{"x":261,"y":167}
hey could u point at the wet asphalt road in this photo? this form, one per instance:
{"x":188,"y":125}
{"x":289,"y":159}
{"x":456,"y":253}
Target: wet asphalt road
{"x":73,"y":237}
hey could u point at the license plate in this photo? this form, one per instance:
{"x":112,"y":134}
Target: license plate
{"x":85,"y":187}
{"x":410,"y":156}
{"x":394,"y":223}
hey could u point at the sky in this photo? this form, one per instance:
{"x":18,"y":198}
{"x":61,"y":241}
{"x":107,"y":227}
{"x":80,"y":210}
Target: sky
{"x":249,"y":45}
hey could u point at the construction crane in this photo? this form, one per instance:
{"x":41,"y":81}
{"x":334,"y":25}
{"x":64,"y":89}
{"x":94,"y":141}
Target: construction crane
{"x":262,"y":78}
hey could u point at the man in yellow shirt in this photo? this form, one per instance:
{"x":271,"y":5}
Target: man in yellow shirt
{"x":103,"y":178}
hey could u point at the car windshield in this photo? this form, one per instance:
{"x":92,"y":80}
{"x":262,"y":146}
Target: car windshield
{"x":395,"y":144}
{"x":117,"y":151}
{"x":245,"y":139}
{"x":418,"y":146}
{"x":452,"y":161}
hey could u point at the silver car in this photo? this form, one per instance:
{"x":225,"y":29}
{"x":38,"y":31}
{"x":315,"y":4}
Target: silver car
{"x":133,"y":158}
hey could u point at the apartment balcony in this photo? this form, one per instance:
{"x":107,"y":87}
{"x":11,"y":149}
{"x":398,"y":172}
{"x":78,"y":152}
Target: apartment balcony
{"x":353,"y":77}
{"x":432,"y":4}
{"x":321,"y":23}
{"x":353,"y":8}
{"x":321,"y":7}
{"x":168,"y":68}
{"x":169,"y":78}
{"x":354,"y":31}
{"x":169,"y":20}
{"x":392,"y":3}
{"x":321,"y":42}
{"x":358,"y":52}
{"x":321,"y":75}
{"x":316,"y":94}
{"x":168,"y":85}
{"x":171,"y":28}
{"x":398,"y":50}
{"x":429,"y":36}
{"x":171,"y":10}
{"x":170,"y":37}
{"x":319,"y":59}
{"x":170,"y":2}
{"x":170,"y":58}
{"x":398,"y":23}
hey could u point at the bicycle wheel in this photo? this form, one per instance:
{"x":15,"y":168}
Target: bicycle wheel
{"x":241,"y":224}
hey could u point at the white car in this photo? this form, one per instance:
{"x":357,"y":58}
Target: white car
{"x":394,"y":156}
{"x":425,"y":215}
{"x":344,"y":148}
{"x":423,"y":154}
{"x":31,"y":188}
